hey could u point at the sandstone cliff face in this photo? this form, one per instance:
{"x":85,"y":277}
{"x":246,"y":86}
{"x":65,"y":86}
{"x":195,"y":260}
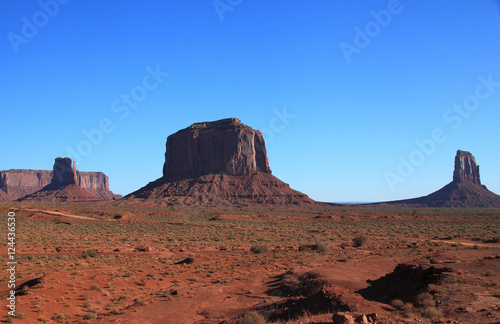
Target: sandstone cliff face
{"x":16,"y":183}
{"x":226,"y":146}
{"x":96,"y":183}
{"x":466,"y":168}
{"x":218,"y":163}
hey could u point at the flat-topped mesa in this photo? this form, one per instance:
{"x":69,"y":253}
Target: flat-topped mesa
{"x":466,"y":168}
{"x":64,"y":173}
{"x":218,"y":163}
{"x":224,"y":146}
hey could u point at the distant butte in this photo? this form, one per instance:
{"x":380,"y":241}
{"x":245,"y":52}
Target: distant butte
{"x":464,"y":191}
{"x":17,"y":183}
{"x":63,"y":186}
{"x":220,"y":162}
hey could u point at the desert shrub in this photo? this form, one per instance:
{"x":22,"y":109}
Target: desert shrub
{"x":345,"y":258}
{"x":253,"y":318}
{"x":122,"y":298}
{"x":359,"y":241}
{"x":407,"y":307}
{"x":425,"y":299}
{"x":61,"y":317}
{"x":322,"y":247}
{"x":94,"y":287}
{"x":490,"y":273}
{"x":90,"y":316}
{"x":398,"y":304}
{"x":435,"y":314}
{"x":258,"y":249}
{"x":89,"y":254}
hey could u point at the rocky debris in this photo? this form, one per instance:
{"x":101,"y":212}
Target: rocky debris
{"x":185,"y":261}
{"x":372,"y":318}
{"x":465,"y":191}
{"x":342,"y":318}
{"x":218,"y":163}
{"x":362,"y":319}
{"x":17,"y":183}
{"x":60,"y":194}
{"x":63,"y":185}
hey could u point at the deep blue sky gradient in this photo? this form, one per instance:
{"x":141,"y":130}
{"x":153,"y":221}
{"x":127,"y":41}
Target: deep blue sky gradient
{"x":353,"y":120}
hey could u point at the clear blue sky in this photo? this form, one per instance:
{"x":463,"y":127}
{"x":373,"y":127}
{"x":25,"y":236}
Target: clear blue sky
{"x":363,"y":80}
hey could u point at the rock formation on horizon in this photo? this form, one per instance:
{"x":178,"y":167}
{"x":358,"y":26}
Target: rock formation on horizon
{"x":63,"y":185}
{"x":17,"y":183}
{"x":464,"y":191}
{"x":220,"y":162}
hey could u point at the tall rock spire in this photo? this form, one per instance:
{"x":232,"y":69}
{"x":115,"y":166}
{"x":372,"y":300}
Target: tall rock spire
{"x":465,"y":191}
{"x":466,"y":168}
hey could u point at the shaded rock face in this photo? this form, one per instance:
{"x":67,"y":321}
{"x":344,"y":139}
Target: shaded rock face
{"x":466,"y":168}
{"x":218,"y":163}
{"x":64,"y":173}
{"x":224,"y":146}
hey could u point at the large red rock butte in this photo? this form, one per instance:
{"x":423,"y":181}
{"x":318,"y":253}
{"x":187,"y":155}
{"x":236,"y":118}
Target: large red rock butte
{"x":464,"y":191}
{"x":220,"y":162}
{"x":63,"y":186}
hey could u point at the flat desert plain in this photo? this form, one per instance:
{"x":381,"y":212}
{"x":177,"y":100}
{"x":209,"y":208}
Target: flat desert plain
{"x":129,"y":262}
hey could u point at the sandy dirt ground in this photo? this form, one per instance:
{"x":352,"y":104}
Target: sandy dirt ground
{"x":110,"y":262}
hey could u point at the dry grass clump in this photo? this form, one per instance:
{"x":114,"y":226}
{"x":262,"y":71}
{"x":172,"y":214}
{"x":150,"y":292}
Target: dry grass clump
{"x":435,"y":314}
{"x":252,"y":318}
{"x":425,"y":299}
{"x":259,"y":249}
{"x":359,"y":240}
